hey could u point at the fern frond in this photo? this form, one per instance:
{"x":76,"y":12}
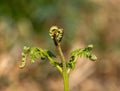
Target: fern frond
{"x":82,"y":52}
{"x":34,"y":54}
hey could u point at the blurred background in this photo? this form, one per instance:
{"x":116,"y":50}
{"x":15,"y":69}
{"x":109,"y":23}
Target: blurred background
{"x":27,"y":22}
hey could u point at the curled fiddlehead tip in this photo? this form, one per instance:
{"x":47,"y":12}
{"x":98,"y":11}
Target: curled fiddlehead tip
{"x":24,"y":55}
{"x":56,"y":34}
{"x":22,"y":65}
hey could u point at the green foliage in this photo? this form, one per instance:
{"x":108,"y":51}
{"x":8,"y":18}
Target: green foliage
{"x":34,"y":54}
{"x":82,"y":52}
{"x":64,"y":67}
{"x":56,"y":34}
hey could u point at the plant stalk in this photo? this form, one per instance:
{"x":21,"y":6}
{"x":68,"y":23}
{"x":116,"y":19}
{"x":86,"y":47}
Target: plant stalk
{"x":66,"y":82}
{"x":64,"y":69}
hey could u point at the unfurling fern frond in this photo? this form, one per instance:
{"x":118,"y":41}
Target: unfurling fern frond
{"x":34,"y":54}
{"x":56,"y":34}
{"x":82,"y":52}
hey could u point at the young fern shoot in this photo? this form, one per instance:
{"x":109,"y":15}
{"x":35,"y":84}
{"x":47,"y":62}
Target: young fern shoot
{"x":63,"y":66}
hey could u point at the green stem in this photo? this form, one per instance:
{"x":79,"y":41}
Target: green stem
{"x":64,"y":69}
{"x":66,"y":82}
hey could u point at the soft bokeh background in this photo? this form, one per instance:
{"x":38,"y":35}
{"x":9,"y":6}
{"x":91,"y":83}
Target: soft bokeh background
{"x":26,"y":22}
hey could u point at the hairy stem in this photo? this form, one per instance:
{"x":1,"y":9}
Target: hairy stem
{"x":64,"y":69}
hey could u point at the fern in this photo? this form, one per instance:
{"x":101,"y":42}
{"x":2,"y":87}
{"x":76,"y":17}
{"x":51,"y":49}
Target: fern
{"x":63,"y":66}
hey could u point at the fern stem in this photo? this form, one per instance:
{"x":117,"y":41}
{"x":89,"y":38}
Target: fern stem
{"x":64,"y":69}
